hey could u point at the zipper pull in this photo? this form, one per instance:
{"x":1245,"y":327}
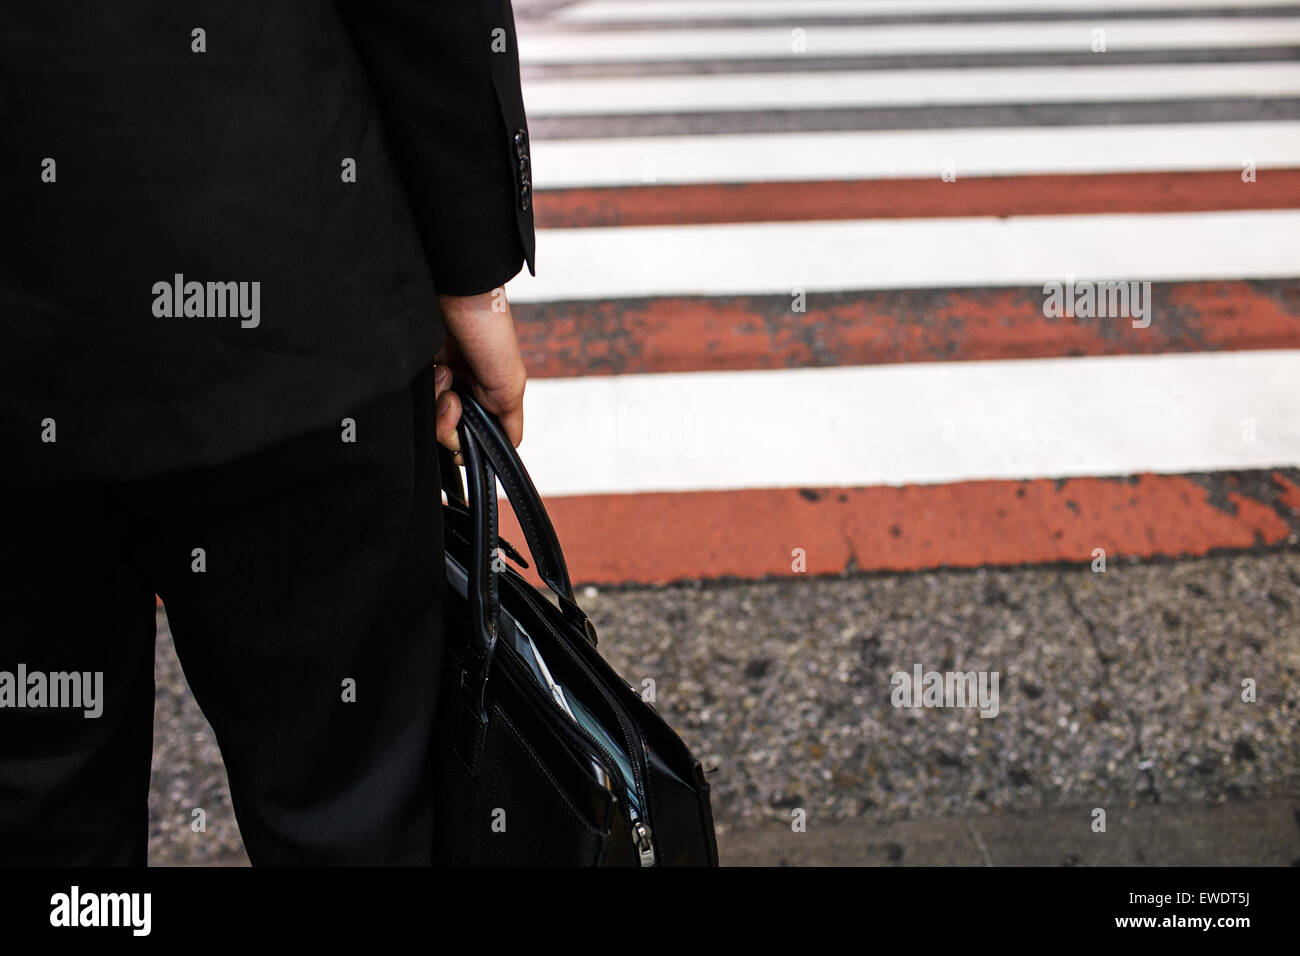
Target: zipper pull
{"x":644,"y":847}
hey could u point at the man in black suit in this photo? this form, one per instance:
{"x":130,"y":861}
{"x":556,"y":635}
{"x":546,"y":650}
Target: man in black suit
{"x":235,"y":238}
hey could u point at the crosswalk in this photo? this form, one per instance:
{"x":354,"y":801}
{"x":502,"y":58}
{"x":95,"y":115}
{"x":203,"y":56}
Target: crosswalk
{"x":711,"y":44}
{"x":623,"y":11}
{"x":793,"y":259}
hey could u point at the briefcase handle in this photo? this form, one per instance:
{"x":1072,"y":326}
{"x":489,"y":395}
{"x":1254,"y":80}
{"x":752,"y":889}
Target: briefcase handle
{"x":501,"y":460}
{"x":483,"y":582}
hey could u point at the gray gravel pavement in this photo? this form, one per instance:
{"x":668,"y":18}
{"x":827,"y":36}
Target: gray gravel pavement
{"x":1237,"y":833}
{"x":1119,"y":691}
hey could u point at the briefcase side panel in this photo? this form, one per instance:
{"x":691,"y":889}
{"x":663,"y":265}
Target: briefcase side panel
{"x":683,"y":817}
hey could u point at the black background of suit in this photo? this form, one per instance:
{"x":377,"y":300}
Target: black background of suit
{"x":226,"y":165}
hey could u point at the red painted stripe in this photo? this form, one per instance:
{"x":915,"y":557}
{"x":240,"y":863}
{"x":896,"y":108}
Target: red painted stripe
{"x":683,"y":334}
{"x":916,"y":198}
{"x":657,"y":538}
{"x":753,"y":533}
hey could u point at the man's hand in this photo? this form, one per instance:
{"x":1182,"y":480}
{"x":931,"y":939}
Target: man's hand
{"x":481,"y":349}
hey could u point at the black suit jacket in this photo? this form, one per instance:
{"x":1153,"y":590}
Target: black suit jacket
{"x":225,"y":223}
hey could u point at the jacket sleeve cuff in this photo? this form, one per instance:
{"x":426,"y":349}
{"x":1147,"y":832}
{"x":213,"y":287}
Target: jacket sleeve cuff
{"x":477,"y":277}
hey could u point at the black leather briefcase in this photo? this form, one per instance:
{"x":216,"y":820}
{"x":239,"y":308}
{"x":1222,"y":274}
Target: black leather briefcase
{"x":543,"y":754}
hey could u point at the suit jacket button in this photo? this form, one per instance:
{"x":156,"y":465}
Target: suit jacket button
{"x":525,"y":195}
{"x":521,"y":142}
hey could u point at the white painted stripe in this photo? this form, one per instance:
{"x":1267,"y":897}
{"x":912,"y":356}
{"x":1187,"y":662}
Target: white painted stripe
{"x":913,"y":424}
{"x":881,"y":88}
{"x":626,"y":11}
{"x":777,"y":42}
{"x":889,"y":154}
{"x":976,"y":251}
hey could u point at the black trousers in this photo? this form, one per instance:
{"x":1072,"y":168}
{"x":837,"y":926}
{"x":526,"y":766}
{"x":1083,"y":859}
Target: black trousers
{"x":304,"y":586}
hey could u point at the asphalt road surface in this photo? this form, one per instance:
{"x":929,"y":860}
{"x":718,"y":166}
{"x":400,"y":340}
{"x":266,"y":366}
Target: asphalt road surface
{"x":1118,"y":691}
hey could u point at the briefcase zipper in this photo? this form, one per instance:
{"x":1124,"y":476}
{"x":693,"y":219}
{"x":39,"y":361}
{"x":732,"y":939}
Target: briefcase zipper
{"x":610,"y":769}
{"x":642,"y":837}
{"x":641,"y":833}
{"x":636,"y":756}
{"x":644,"y":847}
